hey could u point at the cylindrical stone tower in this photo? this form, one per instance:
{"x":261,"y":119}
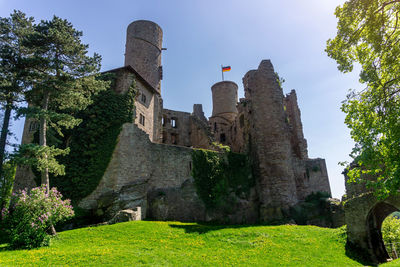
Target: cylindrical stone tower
{"x":143,"y":50}
{"x":225,"y":98}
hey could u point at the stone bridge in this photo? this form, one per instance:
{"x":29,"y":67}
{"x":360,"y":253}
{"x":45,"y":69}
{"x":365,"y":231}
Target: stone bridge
{"x":364,"y":217}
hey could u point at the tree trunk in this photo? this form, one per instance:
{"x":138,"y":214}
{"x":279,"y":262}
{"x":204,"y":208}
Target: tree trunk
{"x":3,"y":136}
{"x":43,"y":139}
{"x":43,"y":142}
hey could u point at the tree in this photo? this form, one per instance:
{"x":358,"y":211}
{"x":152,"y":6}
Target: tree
{"x":64,"y":79}
{"x":391,"y":233}
{"x":6,"y":184}
{"x":13,"y":82}
{"x":368,"y":34}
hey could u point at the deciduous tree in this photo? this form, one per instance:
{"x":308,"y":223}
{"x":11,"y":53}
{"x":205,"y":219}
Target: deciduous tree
{"x":369,"y":35}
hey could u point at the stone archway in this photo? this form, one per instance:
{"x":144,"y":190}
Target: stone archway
{"x":364,"y":217}
{"x":374,"y":223}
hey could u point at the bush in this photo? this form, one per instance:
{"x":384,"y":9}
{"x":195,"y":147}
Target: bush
{"x":31,"y":216}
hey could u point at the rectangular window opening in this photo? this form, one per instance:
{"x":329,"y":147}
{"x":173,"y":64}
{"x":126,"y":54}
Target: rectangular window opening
{"x":173,"y":123}
{"x":174,"y":139}
{"x":142,"y":119}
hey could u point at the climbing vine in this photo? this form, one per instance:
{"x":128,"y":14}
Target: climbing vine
{"x":217,"y":175}
{"x":93,"y":141}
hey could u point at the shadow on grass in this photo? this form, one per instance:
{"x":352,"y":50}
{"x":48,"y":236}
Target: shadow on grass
{"x":202,"y":228}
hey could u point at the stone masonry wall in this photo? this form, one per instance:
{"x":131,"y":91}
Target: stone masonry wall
{"x":24,"y":177}
{"x":176,"y":128}
{"x":299,"y":144}
{"x":143,"y":50}
{"x":270,"y":142}
{"x":138,"y":166}
{"x":316,"y":177}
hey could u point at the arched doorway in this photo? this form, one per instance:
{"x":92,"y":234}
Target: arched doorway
{"x":375,"y":219}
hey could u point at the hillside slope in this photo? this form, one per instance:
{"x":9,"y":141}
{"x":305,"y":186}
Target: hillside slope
{"x":184,"y":244}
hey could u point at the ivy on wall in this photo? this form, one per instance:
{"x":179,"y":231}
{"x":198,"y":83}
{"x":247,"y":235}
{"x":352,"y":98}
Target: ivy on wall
{"x":93,"y":141}
{"x":217,"y":175}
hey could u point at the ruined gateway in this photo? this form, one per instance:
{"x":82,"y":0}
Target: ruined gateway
{"x":151,"y":164}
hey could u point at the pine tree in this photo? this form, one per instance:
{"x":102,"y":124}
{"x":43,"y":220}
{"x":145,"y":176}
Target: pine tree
{"x":13,"y":75}
{"x":64,"y":79}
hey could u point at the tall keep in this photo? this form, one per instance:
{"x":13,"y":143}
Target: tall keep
{"x":143,"y":51}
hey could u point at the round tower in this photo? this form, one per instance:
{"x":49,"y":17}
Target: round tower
{"x":143,"y":50}
{"x":225,"y":98}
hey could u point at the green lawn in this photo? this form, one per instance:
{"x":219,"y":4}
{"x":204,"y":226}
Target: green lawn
{"x":392,"y":263}
{"x":188,"y":244}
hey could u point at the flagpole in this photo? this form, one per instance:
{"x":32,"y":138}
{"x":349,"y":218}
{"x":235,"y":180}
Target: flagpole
{"x":222,"y":71}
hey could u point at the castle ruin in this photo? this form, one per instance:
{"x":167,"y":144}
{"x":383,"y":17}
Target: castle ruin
{"x":151,"y":164}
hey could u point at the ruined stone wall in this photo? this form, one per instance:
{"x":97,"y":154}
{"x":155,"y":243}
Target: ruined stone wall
{"x":222,"y":129}
{"x":176,"y":128}
{"x":198,"y":112}
{"x":241,"y":128}
{"x":157,"y":178}
{"x":270,"y":142}
{"x":185,"y":129}
{"x":200,"y":134}
{"x":316,"y":179}
{"x":299,"y":144}
{"x":137,"y":167}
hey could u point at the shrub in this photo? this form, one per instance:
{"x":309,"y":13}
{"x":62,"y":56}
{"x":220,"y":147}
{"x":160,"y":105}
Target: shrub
{"x":31,"y":215}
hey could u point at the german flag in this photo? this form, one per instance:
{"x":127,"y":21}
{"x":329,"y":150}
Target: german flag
{"x":227,"y":68}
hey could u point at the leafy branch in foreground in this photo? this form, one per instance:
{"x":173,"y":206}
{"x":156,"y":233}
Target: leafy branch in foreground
{"x":369,"y":35}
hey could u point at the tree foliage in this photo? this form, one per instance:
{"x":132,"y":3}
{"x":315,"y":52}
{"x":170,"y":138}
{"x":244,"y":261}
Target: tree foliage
{"x":368,"y":35}
{"x":391,"y":233}
{"x":13,"y":66}
{"x":6,"y":183}
{"x":64,"y":79}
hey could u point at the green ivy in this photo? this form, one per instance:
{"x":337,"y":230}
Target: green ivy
{"x":218,"y":174}
{"x":92,"y":142}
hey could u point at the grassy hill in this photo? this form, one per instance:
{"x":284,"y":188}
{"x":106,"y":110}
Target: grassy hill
{"x":189,"y":244}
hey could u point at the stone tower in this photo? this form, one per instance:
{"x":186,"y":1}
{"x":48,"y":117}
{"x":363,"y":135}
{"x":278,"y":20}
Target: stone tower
{"x":270,"y":142}
{"x":225,"y":98}
{"x":143,"y":51}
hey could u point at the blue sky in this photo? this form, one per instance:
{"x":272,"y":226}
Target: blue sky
{"x":200,"y":35}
